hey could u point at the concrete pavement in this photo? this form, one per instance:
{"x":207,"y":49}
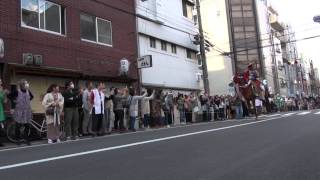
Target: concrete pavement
{"x":281,"y":146}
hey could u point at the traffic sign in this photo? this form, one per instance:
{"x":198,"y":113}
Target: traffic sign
{"x":145,"y":62}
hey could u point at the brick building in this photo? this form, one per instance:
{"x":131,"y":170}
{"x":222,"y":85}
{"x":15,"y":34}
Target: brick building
{"x":54,"y":41}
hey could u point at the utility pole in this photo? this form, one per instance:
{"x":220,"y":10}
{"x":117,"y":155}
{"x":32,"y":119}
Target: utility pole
{"x":203,"y":51}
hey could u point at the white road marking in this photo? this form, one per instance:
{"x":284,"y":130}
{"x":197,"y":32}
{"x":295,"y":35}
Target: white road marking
{"x":317,"y":113}
{"x":128,"y":145}
{"x":304,"y":113}
{"x":273,"y":115}
{"x":289,"y":114}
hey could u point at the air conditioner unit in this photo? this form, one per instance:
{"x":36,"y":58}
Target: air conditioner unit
{"x":27,"y":59}
{"x":37,"y":59}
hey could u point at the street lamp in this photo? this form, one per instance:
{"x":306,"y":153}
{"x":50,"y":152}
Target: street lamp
{"x":316,"y":19}
{"x":1,"y":48}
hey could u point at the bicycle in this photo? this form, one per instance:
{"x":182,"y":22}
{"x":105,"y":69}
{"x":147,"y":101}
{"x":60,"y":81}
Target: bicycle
{"x":38,"y":130}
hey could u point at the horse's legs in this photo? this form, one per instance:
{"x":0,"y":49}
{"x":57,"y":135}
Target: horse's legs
{"x":248,"y":103}
{"x":255,"y":108}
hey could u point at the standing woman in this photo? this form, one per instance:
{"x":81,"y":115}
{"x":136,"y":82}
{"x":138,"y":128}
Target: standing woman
{"x":53,"y":103}
{"x":3,"y":100}
{"x":21,"y":109}
{"x":188,"y":108}
{"x":133,"y":101}
{"x":157,"y":113}
{"x":181,"y":108}
{"x":145,"y":109}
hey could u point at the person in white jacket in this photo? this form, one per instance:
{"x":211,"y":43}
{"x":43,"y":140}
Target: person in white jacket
{"x":133,"y":102}
{"x":97,"y":100}
{"x":145,"y":110}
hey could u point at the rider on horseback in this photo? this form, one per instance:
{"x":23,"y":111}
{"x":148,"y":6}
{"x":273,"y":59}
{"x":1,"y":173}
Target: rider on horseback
{"x":251,"y":77}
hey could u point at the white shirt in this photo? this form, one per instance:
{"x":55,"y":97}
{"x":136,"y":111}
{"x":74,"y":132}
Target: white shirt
{"x":258,"y":102}
{"x":98,"y":103}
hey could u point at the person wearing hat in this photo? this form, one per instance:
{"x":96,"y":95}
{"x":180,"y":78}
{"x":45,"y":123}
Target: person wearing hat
{"x":251,"y":73}
{"x":71,"y":113}
{"x":251,"y":76}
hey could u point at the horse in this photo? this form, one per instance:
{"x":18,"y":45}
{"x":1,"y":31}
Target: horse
{"x":247,"y":92}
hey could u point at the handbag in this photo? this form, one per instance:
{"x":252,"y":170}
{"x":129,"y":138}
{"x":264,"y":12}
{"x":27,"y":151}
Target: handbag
{"x":50,"y":111}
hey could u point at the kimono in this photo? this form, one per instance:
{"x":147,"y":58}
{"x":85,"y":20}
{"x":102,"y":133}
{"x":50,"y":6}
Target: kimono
{"x":53,"y":120}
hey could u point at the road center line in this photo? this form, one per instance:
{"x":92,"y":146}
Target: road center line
{"x":127,"y":145}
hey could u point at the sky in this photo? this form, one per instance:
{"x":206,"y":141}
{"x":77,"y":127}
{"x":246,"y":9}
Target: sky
{"x":300,"y":13}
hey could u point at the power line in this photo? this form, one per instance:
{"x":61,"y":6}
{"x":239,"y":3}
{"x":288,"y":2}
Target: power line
{"x":261,"y":40}
{"x":162,"y":17}
{"x":243,"y":39}
{"x":268,"y":39}
{"x":261,"y":47}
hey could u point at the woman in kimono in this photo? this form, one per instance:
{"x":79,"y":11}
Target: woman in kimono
{"x":53,"y":104}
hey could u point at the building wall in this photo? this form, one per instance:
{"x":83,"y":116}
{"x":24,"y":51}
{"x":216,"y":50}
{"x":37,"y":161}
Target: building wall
{"x":245,"y":34}
{"x":69,"y":52}
{"x":215,"y":25}
{"x":169,"y":70}
{"x":265,"y":36}
{"x":66,"y":56}
{"x":281,"y":68}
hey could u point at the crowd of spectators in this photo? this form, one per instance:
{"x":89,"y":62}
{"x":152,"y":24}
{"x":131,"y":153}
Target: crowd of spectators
{"x":96,"y":111}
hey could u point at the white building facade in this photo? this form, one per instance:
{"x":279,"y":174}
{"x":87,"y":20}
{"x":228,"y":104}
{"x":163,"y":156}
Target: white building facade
{"x":166,"y":30}
{"x":216,"y":28}
{"x":276,"y":55}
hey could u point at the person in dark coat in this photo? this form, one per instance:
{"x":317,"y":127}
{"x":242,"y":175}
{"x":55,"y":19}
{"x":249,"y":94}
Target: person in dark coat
{"x":71,"y":111}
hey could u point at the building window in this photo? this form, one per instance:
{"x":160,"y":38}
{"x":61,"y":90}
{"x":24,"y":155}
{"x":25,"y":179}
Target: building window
{"x":173,"y":48}
{"x":191,"y":54}
{"x":163,"y":46}
{"x":88,"y":27}
{"x":43,"y":15}
{"x":153,"y":42}
{"x":95,"y":29}
{"x":187,"y":8}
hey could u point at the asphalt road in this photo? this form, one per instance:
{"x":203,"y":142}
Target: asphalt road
{"x":276,"y":147}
